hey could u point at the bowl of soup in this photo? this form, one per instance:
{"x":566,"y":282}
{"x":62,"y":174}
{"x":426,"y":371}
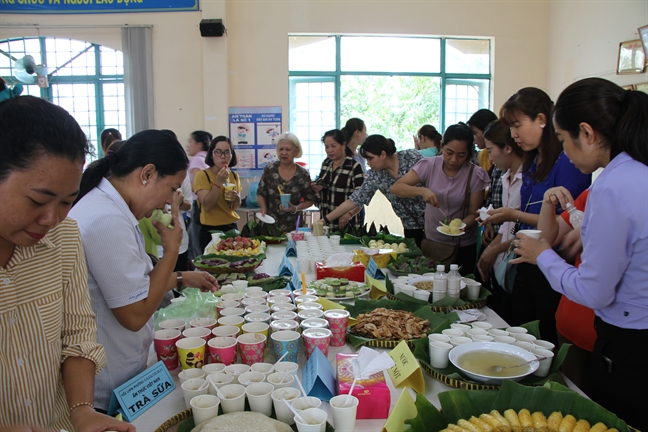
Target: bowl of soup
{"x":476,"y":360}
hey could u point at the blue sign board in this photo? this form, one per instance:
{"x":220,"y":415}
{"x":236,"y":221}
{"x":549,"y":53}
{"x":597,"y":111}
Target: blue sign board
{"x":253,"y":131}
{"x":95,"y":6}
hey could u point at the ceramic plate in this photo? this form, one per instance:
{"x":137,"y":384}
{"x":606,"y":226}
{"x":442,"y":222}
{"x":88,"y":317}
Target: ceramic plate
{"x":451,"y":235}
{"x":267,"y":218}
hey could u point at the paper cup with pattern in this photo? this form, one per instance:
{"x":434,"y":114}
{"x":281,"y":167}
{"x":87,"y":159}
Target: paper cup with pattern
{"x":165,"y":348}
{"x":285,"y":341}
{"x":222,"y":350}
{"x":252,"y":348}
{"x":338,"y":320}
{"x":316,"y":338}
{"x":191,"y":352}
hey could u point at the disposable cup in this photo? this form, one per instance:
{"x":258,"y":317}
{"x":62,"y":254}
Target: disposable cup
{"x":222,"y":350}
{"x":421,"y":295}
{"x":344,"y":409}
{"x":476,"y":332}
{"x":281,"y":325}
{"x":253,"y":301}
{"x":282,"y":292}
{"x":316,"y":338}
{"x":252,"y":347}
{"x":310,"y":313}
{"x":287,"y":366}
{"x":438,"y":337}
{"x":256,"y":294}
{"x":240,"y":285}
{"x":545,"y":365}
{"x":481,"y":325}
{"x":334,"y":240}
{"x":524,"y":337}
{"x":199,"y":332}
{"x":258,"y":395}
{"x":225,"y":304}
{"x":338,"y":320}
{"x":236,"y":369}
{"x":236,"y":296}
{"x":258,"y":308}
{"x":256,"y":327}
{"x":439,"y":354}
{"x":303,"y":264}
{"x":258,"y":316}
{"x":408,"y":289}
{"x":191,"y":352}
{"x":516,"y":330}
{"x":315,"y":419}
{"x":233,"y":398}
{"x":544,"y":344}
{"x":226,"y":331}
{"x":192,"y":388}
{"x":525,"y":345}
{"x":535,"y":234}
{"x":463,"y":327}
{"x":282,"y":412}
{"x":253,"y":288}
{"x":250,"y":377}
{"x":283,"y":315}
{"x":281,"y":307}
{"x":164,"y":343}
{"x":238,"y":311}
{"x":281,"y":379}
{"x":484,"y":338}
{"x":459,"y":340}
{"x":285,"y":200}
{"x":504,"y":339}
{"x":233,"y":320}
{"x":175,"y":324}
{"x":473,"y":288}
{"x":231,"y":187}
{"x":213,"y":368}
{"x":452,"y":332}
{"x":278,"y":299}
{"x":305,"y":402}
{"x":204,"y":407}
{"x":190,"y":374}
{"x":264,"y":368}
{"x":286,"y":341}
{"x":209,"y":323}
{"x":497,"y":332}
{"x":218,"y":380}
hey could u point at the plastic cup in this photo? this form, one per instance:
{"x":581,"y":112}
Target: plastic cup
{"x":258,"y":308}
{"x":250,"y":377}
{"x":222,"y":350}
{"x":258,"y":316}
{"x":285,"y":200}
{"x":175,"y":324}
{"x":236,"y":369}
{"x":476,"y":332}
{"x":287,"y":366}
{"x":258,"y":395}
{"x":204,"y":407}
{"x":240,"y":285}
{"x":524,"y":337}
{"x":256,"y":327}
{"x":224,"y":304}
{"x":192,"y":388}
{"x":164,"y":343}
{"x":237,"y":311}
{"x":282,"y":325}
{"x":226,"y":187}
{"x":218,"y":380}
{"x":344,"y":409}
{"x":421,"y":295}
{"x":544,"y":344}
{"x":459,"y":340}
{"x":408,"y":289}
{"x":213,"y":368}
{"x":439,"y":354}
{"x":438,"y":337}
{"x":338,"y":320}
{"x":463,"y":327}
{"x":280,"y":307}
{"x":316,"y":338}
{"x":545,"y":365}
{"x":283,"y":342}
{"x":481,"y":325}
{"x":473,"y":289}
{"x":209,"y":323}
{"x":516,"y":330}
{"x":283,"y":315}
{"x":190,"y":374}
{"x":525,"y":345}
{"x":191,"y":352}
{"x":233,"y":296}
{"x":233,"y":320}
{"x":200,"y":332}
{"x":484,"y":338}
{"x":504,"y":339}
{"x":234,"y":398}
{"x":281,"y":379}
{"x":535,"y":234}
{"x":305,"y":402}
{"x":252,"y":347}
{"x":253,"y":301}
{"x":310,"y":313}
{"x":497,"y":332}
{"x":303,"y":264}
{"x":315,"y":420}
{"x":334,"y":240}
{"x":282,"y":412}
{"x":452,"y":332}
{"x":226,"y":331}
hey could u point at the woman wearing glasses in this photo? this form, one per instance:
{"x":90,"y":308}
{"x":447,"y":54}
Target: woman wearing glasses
{"x":217,"y":197}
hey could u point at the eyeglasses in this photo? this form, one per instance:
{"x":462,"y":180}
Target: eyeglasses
{"x":220,"y":153}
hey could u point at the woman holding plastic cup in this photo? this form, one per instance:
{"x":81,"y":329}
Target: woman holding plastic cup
{"x":218,"y":190}
{"x":48,"y":337}
{"x":125,"y":288}
{"x":285,"y":177}
{"x":602,"y":125}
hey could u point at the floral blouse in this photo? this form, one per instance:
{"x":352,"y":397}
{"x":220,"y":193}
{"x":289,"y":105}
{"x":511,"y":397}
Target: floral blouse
{"x":298,"y":186}
{"x":409,"y":210}
{"x":337,"y":185}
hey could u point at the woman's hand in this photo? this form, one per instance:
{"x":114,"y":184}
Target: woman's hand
{"x":489,"y":233}
{"x":316,"y":187}
{"x":486,"y":262}
{"x":429,"y":197}
{"x":169,"y":237}
{"x":290,"y":209}
{"x":231,"y":195}
{"x":503,"y":214}
{"x":344,"y":220}
{"x":572,"y":245}
{"x":557,"y":195}
{"x":178,"y":199}
{"x":85,"y":419}
{"x":222,"y":175}
{"x":528,"y":248}
{"x":200,"y":279}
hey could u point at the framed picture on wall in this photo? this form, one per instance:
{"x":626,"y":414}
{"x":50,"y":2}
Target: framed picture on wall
{"x":643,"y":35}
{"x":643,"y":87}
{"x":632,"y":59}
{"x":628,"y":87}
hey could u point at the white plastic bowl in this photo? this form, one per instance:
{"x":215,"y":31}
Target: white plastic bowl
{"x":459,"y":350}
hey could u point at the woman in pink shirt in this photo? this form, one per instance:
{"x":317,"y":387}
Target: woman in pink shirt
{"x":197,"y":146}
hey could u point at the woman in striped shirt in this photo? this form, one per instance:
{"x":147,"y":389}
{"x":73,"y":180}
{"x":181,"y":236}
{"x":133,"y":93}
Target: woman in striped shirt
{"x":49,"y":354}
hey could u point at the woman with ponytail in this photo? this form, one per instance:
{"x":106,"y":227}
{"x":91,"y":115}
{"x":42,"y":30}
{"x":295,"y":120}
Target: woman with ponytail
{"x":602,"y":125}
{"x":356,"y":132}
{"x":125,"y":289}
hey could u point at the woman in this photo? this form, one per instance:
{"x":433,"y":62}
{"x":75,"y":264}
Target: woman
{"x":387,"y":166}
{"x":125,"y":289}
{"x":290,"y":178}
{"x":47,"y":333}
{"x":507,"y":158}
{"x":453,"y":188}
{"x":356,"y":133}
{"x":339,"y":177}
{"x":107,"y":137}
{"x":427,"y":141}
{"x":528,"y":114}
{"x":602,"y":125}
{"x":217,"y":200}
{"x":197,"y":147}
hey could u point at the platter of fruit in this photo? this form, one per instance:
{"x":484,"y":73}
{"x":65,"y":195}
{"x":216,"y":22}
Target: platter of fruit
{"x":216,"y":263}
{"x":238,"y":246}
{"x":338,"y":289}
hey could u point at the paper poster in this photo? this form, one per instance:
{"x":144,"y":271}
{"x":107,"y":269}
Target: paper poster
{"x":246,"y":159}
{"x":254,"y":132}
{"x":406,"y":371}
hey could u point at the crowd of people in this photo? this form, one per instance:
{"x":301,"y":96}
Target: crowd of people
{"x":88,"y":328}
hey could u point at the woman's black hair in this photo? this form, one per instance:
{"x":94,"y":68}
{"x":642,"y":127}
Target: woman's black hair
{"x":500,"y":135}
{"x":431,"y":133}
{"x":460,"y":132}
{"x":618,"y":115}
{"x":107,"y":137}
{"x":203,"y":138}
{"x":376,"y":144}
{"x":209,"y":159}
{"x":481,"y":118}
{"x":532,"y":102}
{"x":170,"y":133}
{"x":339,"y":137}
{"x":146,"y":147}
{"x":351,"y":126}
{"x":31,"y":127}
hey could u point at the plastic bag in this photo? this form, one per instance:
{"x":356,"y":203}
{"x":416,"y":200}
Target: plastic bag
{"x":251,"y":200}
{"x":197,"y":304}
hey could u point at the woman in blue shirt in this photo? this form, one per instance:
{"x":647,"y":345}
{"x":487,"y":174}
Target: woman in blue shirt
{"x":603,"y":126}
{"x":528,"y":114}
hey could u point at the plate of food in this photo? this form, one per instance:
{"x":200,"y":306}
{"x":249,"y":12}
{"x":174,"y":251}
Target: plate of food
{"x":450,"y":231}
{"x":388,"y":327}
{"x":229,"y":264}
{"x":339,"y":289}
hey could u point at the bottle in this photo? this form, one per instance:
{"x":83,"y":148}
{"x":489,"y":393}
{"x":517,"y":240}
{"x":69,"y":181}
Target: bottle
{"x":440,"y":280}
{"x":575,"y":216}
{"x":454,"y":281}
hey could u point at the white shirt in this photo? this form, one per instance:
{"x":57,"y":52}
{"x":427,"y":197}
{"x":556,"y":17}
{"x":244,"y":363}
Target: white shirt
{"x":118,"y":275}
{"x":510,"y":198}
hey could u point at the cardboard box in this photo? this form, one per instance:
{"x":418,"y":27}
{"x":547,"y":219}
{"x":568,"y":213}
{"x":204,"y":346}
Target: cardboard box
{"x":373,"y":394}
{"x":354,"y":272}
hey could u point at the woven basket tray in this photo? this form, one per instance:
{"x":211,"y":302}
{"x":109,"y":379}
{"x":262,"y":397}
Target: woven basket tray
{"x":477,"y":304}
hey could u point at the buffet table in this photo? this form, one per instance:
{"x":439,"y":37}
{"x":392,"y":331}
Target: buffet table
{"x":174,"y":403}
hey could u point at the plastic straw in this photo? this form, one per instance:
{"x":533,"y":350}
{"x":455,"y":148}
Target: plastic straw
{"x":301,"y":419}
{"x":275,"y":365}
{"x":348,"y":399}
{"x":297,"y":226}
{"x":303,"y":280}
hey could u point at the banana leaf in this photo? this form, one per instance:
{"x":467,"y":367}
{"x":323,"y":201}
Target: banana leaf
{"x":277,"y":282}
{"x":412,"y":249}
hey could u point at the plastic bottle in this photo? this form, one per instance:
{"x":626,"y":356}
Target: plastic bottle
{"x":575,"y":216}
{"x":454,"y":281}
{"x":440,"y":280}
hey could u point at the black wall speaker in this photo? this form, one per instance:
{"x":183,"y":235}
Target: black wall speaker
{"x":211,"y":27}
